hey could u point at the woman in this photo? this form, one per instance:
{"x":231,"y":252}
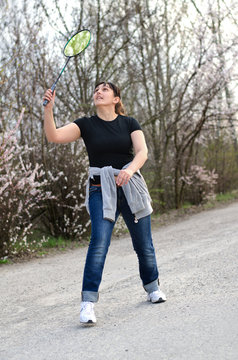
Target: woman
{"x":115,"y":186}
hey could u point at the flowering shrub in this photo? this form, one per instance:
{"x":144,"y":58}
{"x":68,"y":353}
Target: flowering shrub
{"x":201,"y":184}
{"x":66,"y":172}
{"x":22,"y":195}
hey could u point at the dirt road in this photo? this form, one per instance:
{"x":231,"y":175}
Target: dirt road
{"x":197,"y":258}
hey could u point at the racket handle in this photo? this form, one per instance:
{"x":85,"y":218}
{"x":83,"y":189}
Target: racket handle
{"x":45,"y":102}
{"x":52,"y":90}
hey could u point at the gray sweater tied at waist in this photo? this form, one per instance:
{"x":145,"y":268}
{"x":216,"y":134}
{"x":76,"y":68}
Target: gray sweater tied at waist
{"x":136,"y":192}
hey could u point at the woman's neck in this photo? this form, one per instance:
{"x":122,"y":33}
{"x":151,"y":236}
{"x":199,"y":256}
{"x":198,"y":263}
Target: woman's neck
{"x":106,"y":114}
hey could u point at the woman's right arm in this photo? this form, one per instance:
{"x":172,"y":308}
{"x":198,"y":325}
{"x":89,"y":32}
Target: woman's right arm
{"x":62,"y":135}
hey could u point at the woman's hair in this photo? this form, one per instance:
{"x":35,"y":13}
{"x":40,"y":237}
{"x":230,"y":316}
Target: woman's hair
{"x":119,"y":107}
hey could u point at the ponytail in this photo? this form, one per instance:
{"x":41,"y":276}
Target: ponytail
{"x":119,"y":108}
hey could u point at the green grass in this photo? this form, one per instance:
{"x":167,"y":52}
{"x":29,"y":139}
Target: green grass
{"x":222,"y":198}
{"x":186,"y":205}
{"x":52,"y":242}
{"x":4,"y":261}
{"x":227,"y":196}
{"x":42,"y":253}
{"x":209,"y":205}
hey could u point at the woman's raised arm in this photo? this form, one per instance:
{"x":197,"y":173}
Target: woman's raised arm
{"x":62,"y":135}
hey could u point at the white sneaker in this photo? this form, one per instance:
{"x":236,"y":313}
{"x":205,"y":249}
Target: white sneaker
{"x":87,"y":315}
{"x":156,"y":296}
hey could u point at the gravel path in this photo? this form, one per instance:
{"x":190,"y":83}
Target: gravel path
{"x":197,"y":259}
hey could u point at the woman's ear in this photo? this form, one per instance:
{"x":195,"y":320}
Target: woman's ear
{"x":116,"y":100}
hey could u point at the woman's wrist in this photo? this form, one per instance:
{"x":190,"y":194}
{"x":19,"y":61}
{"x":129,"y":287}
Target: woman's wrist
{"x":131,"y":170}
{"x":48,"y":109}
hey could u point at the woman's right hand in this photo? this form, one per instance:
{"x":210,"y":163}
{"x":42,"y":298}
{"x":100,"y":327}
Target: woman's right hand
{"x":50,"y":97}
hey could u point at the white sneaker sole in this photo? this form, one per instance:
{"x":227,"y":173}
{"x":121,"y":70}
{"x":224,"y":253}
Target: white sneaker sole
{"x":160,"y":300}
{"x":89,"y":323}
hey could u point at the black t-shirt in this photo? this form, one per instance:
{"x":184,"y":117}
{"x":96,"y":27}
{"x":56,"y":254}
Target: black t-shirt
{"x":108,"y":142}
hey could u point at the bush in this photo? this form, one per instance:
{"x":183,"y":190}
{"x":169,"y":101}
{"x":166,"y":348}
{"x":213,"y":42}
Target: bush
{"x":200,"y":184}
{"x":221,"y":155}
{"x":22,"y":195}
{"x":66,"y":173}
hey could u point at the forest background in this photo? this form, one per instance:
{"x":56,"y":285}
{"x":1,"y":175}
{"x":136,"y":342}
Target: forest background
{"x":176,"y":65}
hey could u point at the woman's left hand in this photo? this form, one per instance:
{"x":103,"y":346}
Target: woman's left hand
{"x":124,"y":176}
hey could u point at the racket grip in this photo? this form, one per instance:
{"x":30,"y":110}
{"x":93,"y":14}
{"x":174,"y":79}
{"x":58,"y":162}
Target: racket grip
{"x":52,"y":89}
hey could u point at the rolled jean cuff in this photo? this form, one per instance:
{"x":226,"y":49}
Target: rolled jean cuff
{"x":153,"y":286}
{"x":91,"y":296}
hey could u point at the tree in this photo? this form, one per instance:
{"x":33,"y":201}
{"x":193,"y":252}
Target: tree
{"x":176,"y":70}
{"x":181,"y":77}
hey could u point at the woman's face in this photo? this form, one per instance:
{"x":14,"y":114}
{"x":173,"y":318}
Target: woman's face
{"x":104,"y":96}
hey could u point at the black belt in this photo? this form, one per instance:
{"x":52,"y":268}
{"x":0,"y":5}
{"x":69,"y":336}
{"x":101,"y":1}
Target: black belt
{"x":96,"y":180}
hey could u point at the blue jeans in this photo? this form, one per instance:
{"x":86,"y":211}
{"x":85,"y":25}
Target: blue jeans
{"x":100,"y":240}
